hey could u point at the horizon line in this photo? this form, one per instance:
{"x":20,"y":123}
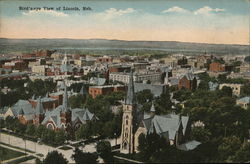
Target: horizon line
{"x":132,"y":40}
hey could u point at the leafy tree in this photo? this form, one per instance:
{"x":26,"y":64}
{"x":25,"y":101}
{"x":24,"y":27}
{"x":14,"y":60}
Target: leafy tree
{"x":144,"y":96}
{"x":40,"y":130}
{"x":55,"y":158}
{"x":103,"y":148}
{"x":226,"y":91}
{"x":30,"y":129}
{"x":200,"y":134}
{"x":228,"y":147}
{"x":82,"y":158}
{"x":77,"y":101}
{"x":60,"y":137}
{"x":83,"y":132}
{"x":243,"y":154}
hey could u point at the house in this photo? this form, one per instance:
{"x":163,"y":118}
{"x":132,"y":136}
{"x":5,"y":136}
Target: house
{"x":172,"y":127}
{"x":103,"y":90}
{"x":212,"y":85}
{"x":236,"y":88}
{"x":63,"y":117}
{"x":243,"y":102}
{"x":23,"y":110}
{"x":216,"y":67}
{"x":188,"y":81}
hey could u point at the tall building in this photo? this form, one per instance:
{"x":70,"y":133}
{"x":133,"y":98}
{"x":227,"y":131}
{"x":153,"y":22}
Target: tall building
{"x":128,"y":120}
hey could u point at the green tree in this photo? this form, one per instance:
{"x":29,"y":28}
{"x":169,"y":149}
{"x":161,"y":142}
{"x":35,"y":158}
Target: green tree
{"x":82,"y":158}
{"x":30,"y":129}
{"x":77,"y":101}
{"x":55,"y":158}
{"x":200,"y":134}
{"x":60,"y":137}
{"x":103,"y":148}
{"x":243,"y":154}
{"x":228,"y":147}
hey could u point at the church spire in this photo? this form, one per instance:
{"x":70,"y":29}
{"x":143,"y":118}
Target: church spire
{"x":39,"y":106}
{"x":65,"y":98}
{"x":130,"y":98}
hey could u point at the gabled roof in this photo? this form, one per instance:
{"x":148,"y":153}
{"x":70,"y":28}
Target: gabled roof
{"x":23,"y":105}
{"x":244,"y":100}
{"x":189,"y":76}
{"x":166,"y":124}
{"x":189,"y":145}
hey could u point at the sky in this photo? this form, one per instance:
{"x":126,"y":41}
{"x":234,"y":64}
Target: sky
{"x":201,"y":21}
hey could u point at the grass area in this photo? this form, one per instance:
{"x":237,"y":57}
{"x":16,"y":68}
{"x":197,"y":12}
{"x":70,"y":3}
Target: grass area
{"x":65,"y":148}
{"x":16,"y":147}
{"x":40,"y":155}
{"x":121,"y":161}
{"x":6,"y":154}
{"x":22,"y":160}
{"x":129,"y":156}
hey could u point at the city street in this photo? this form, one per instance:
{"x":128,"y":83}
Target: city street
{"x":40,"y":148}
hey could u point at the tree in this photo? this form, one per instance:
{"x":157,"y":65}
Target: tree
{"x":60,"y":137}
{"x":243,"y":154}
{"x":226,"y":91}
{"x":30,"y":129}
{"x":103,"y":148}
{"x":228,"y":147}
{"x":76,"y":101}
{"x":83,"y":132}
{"x":40,"y":130}
{"x":200,"y":134}
{"x":55,"y":158}
{"x":82,"y":158}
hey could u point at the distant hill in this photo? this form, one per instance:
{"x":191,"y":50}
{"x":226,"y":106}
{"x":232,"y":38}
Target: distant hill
{"x":29,"y":45}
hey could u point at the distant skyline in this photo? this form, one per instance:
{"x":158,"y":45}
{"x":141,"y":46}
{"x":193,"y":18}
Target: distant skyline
{"x":206,"y":21}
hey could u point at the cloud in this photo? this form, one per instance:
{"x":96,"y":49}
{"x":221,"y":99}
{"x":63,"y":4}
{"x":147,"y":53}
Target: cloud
{"x":206,"y":10}
{"x":112,"y":13}
{"x":46,"y":12}
{"x":175,"y":9}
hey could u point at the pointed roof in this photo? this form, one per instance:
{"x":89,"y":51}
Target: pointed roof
{"x":83,"y":90}
{"x":65,"y":100}
{"x":21,"y":112}
{"x":39,"y":106}
{"x":152,"y":109}
{"x":130,"y":98}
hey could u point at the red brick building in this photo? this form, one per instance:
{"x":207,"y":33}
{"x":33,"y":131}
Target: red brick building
{"x":103,"y":90}
{"x":104,"y":59}
{"x":188,"y":81}
{"x":217,"y":67}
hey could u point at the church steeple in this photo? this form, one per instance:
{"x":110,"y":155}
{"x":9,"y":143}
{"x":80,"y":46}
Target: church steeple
{"x":130,"y":98}
{"x":39,"y":107}
{"x":128,"y":119}
{"x":152,"y":110}
{"x":65,"y":99}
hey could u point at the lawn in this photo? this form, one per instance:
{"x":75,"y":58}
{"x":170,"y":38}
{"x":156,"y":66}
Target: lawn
{"x":65,"y":148}
{"x":6,"y":154}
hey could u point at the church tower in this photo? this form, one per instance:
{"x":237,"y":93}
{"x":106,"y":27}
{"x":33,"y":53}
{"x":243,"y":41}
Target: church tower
{"x":39,"y":112}
{"x":128,"y":120}
{"x":65,"y":114}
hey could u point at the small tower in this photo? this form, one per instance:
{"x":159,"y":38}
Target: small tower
{"x":152,"y":110}
{"x":65,"y":114}
{"x":39,"y":112}
{"x":128,"y":120}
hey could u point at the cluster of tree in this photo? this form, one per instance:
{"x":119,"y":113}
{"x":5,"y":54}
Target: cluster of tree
{"x":20,"y":91}
{"x":162,"y":103}
{"x":108,"y":124}
{"x":103,"y":149}
{"x":47,"y":136}
{"x":224,"y":130}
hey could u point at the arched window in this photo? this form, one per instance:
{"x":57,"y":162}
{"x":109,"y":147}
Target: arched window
{"x":50,"y":126}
